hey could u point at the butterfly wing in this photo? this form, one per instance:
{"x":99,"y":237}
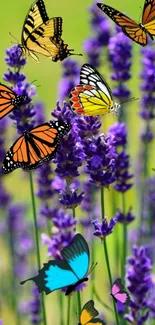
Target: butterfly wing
{"x":93,"y":96}
{"x":40,"y":33}
{"x":8,"y":100}
{"x":77,"y":256}
{"x":53,"y":276}
{"x":40,"y":144}
{"x":123,"y":297}
{"x":148,"y":17}
{"x":119,"y":293}
{"x":117,"y":286}
{"x":129,"y":26}
{"x":17,"y":156}
{"x":96,"y":321}
{"x":88,"y":312}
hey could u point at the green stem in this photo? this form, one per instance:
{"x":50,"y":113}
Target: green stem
{"x":37,"y":242}
{"x":102,"y":202}
{"x":106,"y":254}
{"x":109,"y":275}
{"x":73,"y":212}
{"x":61,"y":308}
{"x":68,"y":310}
{"x":79,"y":302}
{"x":125,"y":239}
{"x":93,"y":273}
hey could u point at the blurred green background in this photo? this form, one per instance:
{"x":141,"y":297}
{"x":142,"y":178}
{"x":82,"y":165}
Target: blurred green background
{"x":76,"y":29}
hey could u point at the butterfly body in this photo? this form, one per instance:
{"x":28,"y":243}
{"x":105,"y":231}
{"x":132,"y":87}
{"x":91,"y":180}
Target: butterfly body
{"x":71,"y":288}
{"x":137,"y":32}
{"x":68,"y":272}
{"x":43,"y":35}
{"x":88,"y":315}
{"x":92,"y":96}
{"x":9,"y":100}
{"x":35,"y":146}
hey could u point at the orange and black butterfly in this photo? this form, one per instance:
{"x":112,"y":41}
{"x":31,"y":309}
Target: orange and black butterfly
{"x":35,"y":146}
{"x":9,"y":100}
{"x":137,"y":32}
{"x":88,"y":315}
{"x":42,"y":35}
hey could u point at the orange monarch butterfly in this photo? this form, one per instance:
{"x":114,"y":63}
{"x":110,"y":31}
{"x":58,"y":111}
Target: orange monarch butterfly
{"x":9,"y":100}
{"x":43,"y":35}
{"x":35,"y":146}
{"x":137,"y":32}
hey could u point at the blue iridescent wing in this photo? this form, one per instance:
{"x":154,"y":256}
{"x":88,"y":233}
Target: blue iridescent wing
{"x":77,"y":256}
{"x":54,"y":275}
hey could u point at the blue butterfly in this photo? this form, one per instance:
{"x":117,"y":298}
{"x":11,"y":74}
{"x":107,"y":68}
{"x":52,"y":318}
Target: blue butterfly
{"x":69,"y":272}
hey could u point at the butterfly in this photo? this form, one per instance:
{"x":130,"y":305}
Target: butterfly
{"x":92,"y":96}
{"x":43,"y":35}
{"x":9,"y":100}
{"x":88,"y":315}
{"x":119,"y":293}
{"x":137,"y":32}
{"x":35,"y":146}
{"x":69,"y":272}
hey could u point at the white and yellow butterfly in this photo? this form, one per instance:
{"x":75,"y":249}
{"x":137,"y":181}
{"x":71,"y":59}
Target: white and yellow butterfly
{"x":92,"y":96}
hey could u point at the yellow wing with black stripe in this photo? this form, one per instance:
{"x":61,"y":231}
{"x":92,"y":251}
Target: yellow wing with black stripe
{"x":41,"y":34}
{"x":88,"y":315}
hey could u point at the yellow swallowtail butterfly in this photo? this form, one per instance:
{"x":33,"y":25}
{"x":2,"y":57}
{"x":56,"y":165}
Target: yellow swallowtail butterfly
{"x":43,"y":35}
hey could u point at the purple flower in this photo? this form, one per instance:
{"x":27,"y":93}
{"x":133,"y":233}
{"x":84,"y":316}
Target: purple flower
{"x":71,"y":199}
{"x":125,"y":219}
{"x":34,"y":307}
{"x":100,"y":158}
{"x":148,"y":79}
{"x":59,"y":240}
{"x":87,"y":126}
{"x":103,"y":229}
{"x":44,"y":180}
{"x":147,"y":112}
{"x":68,"y":159}
{"x":122,"y":162}
{"x":94,"y":45}
{"x":22,"y":115}
{"x":120,"y":53}
{"x":21,"y":242}
{"x":140,"y":283}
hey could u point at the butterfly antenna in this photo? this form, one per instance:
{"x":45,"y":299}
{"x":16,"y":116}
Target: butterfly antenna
{"x":92,"y":267}
{"x":14,"y":37}
{"x":32,"y":83}
{"x":129,"y":100}
{"x":74,"y":53}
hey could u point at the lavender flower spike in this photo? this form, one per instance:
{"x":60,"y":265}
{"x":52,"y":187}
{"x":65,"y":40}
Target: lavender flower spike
{"x":100,"y":158}
{"x":140,"y":284}
{"x":103,"y":229}
{"x":17,"y":80}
